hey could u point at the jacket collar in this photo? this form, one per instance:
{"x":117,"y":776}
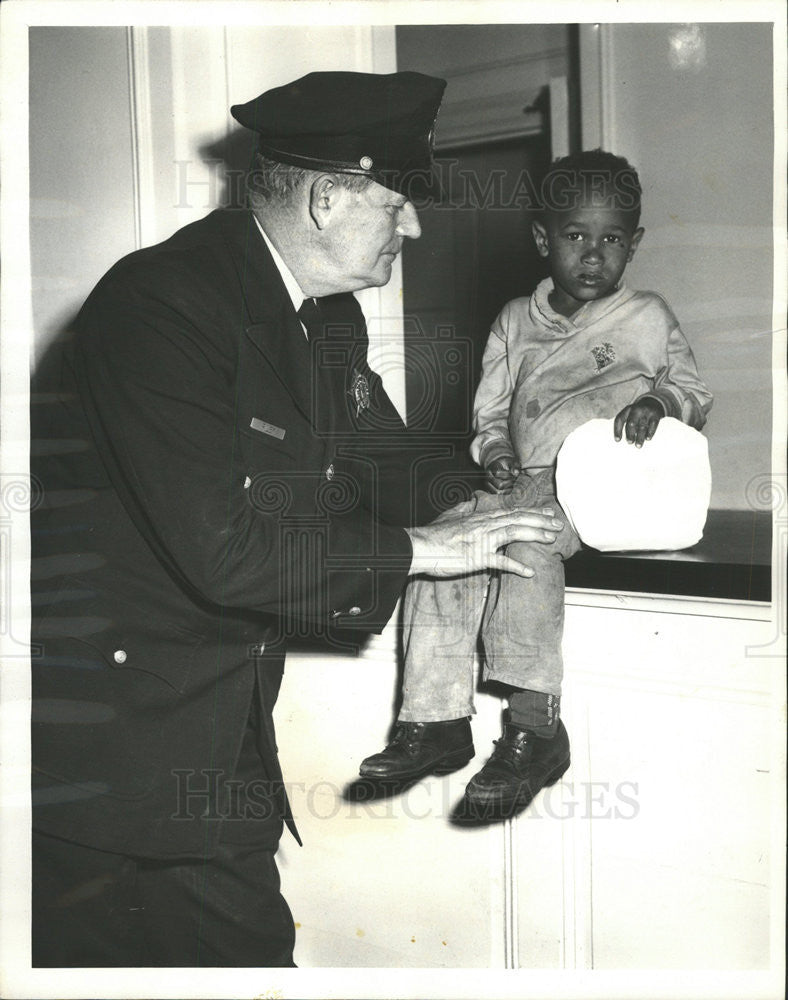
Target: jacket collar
{"x":270,"y":320}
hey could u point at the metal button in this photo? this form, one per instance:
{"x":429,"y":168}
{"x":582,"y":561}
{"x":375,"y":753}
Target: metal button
{"x":365,"y":162}
{"x":257,"y":650}
{"x":120,"y":656}
{"x":354,"y":611}
{"x":330,"y":472}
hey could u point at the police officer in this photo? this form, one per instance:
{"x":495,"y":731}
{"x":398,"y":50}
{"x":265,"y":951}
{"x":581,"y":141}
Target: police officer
{"x":215,"y":479}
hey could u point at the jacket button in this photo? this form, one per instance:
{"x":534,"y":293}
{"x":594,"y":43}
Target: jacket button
{"x":354,"y":611}
{"x":120,"y":656}
{"x":330,"y":472}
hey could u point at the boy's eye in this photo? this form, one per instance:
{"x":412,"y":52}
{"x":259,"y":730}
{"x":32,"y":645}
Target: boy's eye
{"x":612,"y":238}
{"x":574,"y":237}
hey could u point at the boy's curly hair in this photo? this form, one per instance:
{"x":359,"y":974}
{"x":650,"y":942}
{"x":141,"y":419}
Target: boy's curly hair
{"x":572,"y":180}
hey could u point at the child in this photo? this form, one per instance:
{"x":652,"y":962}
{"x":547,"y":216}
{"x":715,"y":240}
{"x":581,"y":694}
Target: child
{"x":582,"y":346}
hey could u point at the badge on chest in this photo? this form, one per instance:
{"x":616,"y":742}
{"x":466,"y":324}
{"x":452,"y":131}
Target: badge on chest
{"x":359,"y":391}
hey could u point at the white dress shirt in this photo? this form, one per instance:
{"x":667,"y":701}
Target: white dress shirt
{"x":293,"y":288}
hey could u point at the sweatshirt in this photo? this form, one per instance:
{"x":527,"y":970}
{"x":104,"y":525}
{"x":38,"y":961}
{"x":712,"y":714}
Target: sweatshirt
{"x":544,"y":374}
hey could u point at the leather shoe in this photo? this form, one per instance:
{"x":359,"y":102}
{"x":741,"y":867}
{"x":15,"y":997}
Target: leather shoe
{"x":520,"y":767}
{"x":421,"y":748}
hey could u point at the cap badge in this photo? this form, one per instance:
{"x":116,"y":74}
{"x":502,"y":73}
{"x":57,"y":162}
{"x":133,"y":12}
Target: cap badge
{"x":359,"y":391}
{"x":365,"y":162}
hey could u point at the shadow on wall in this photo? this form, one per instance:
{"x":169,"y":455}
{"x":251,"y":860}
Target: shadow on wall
{"x":231,"y":157}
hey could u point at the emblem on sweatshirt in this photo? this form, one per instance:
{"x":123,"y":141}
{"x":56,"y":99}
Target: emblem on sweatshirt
{"x":604,"y":355}
{"x":359,"y":391}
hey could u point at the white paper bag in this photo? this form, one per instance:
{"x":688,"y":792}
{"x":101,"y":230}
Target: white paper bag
{"x":619,"y":497}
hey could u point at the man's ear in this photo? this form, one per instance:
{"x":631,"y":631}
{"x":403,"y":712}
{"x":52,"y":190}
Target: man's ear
{"x":324,"y":194}
{"x":637,"y":236}
{"x":540,"y":238}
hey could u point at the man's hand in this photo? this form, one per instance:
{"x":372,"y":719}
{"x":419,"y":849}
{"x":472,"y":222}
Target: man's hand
{"x":640,"y":420}
{"x":461,"y":542}
{"x":501,"y":473}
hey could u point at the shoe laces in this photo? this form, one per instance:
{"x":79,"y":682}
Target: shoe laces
{"x":509,"y":750}
{"x":407,"y":734}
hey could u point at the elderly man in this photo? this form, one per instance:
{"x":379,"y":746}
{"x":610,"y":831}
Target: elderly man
{"x":218,"y":475}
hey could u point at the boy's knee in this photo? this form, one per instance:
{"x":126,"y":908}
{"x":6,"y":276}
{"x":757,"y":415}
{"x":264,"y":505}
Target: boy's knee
{"x":486,"y":502}
{"x":535,"y":554}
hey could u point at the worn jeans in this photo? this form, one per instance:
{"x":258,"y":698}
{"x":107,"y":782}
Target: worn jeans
{"x":520,"y":619}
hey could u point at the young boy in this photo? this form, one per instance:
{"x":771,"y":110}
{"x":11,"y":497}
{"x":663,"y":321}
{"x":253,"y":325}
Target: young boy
{"x":582,"y":346}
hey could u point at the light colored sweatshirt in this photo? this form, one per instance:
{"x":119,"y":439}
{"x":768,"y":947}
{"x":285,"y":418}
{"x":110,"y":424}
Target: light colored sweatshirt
{"x":544,"y":374}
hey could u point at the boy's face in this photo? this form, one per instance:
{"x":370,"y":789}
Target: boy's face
{"x":589,"y":248}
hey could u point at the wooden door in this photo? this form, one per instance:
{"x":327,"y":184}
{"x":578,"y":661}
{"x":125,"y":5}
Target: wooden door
{"x":475,"y":253}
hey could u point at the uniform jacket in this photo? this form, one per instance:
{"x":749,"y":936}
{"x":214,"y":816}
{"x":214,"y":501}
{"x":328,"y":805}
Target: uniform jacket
{"x":209,"y":486}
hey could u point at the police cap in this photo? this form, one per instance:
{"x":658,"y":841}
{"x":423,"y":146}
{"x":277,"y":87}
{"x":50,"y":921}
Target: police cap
{"x":377,"y":125}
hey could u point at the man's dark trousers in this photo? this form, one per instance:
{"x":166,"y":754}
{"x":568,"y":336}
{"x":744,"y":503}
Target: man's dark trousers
{"x":93,"y":908}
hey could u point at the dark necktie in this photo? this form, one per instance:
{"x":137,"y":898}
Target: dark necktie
{"x":342,"y":386}
{"x":311,"y":317}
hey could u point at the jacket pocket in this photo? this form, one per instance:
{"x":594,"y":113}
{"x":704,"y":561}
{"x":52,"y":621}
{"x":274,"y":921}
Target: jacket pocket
{"x":124,"y":635}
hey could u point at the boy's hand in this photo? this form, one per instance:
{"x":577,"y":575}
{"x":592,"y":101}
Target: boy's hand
{"x":640,"y":420}
{"x":502,"y":472}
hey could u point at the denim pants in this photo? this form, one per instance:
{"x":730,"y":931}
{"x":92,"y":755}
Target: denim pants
{"x":520,"y":619}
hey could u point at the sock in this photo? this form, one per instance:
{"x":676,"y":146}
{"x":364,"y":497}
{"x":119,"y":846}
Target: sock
{"x":535,"y":711}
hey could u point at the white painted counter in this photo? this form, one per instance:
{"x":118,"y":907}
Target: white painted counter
{"x":653,"y":851}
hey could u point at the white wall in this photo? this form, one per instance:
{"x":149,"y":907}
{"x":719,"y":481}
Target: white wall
{"x":661,"y":848}
{"x":691,"y":106}
{"x":81,"y":168}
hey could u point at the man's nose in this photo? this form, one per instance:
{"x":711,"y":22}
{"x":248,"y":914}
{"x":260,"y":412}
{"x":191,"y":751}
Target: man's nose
{"x":408,"y":222}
